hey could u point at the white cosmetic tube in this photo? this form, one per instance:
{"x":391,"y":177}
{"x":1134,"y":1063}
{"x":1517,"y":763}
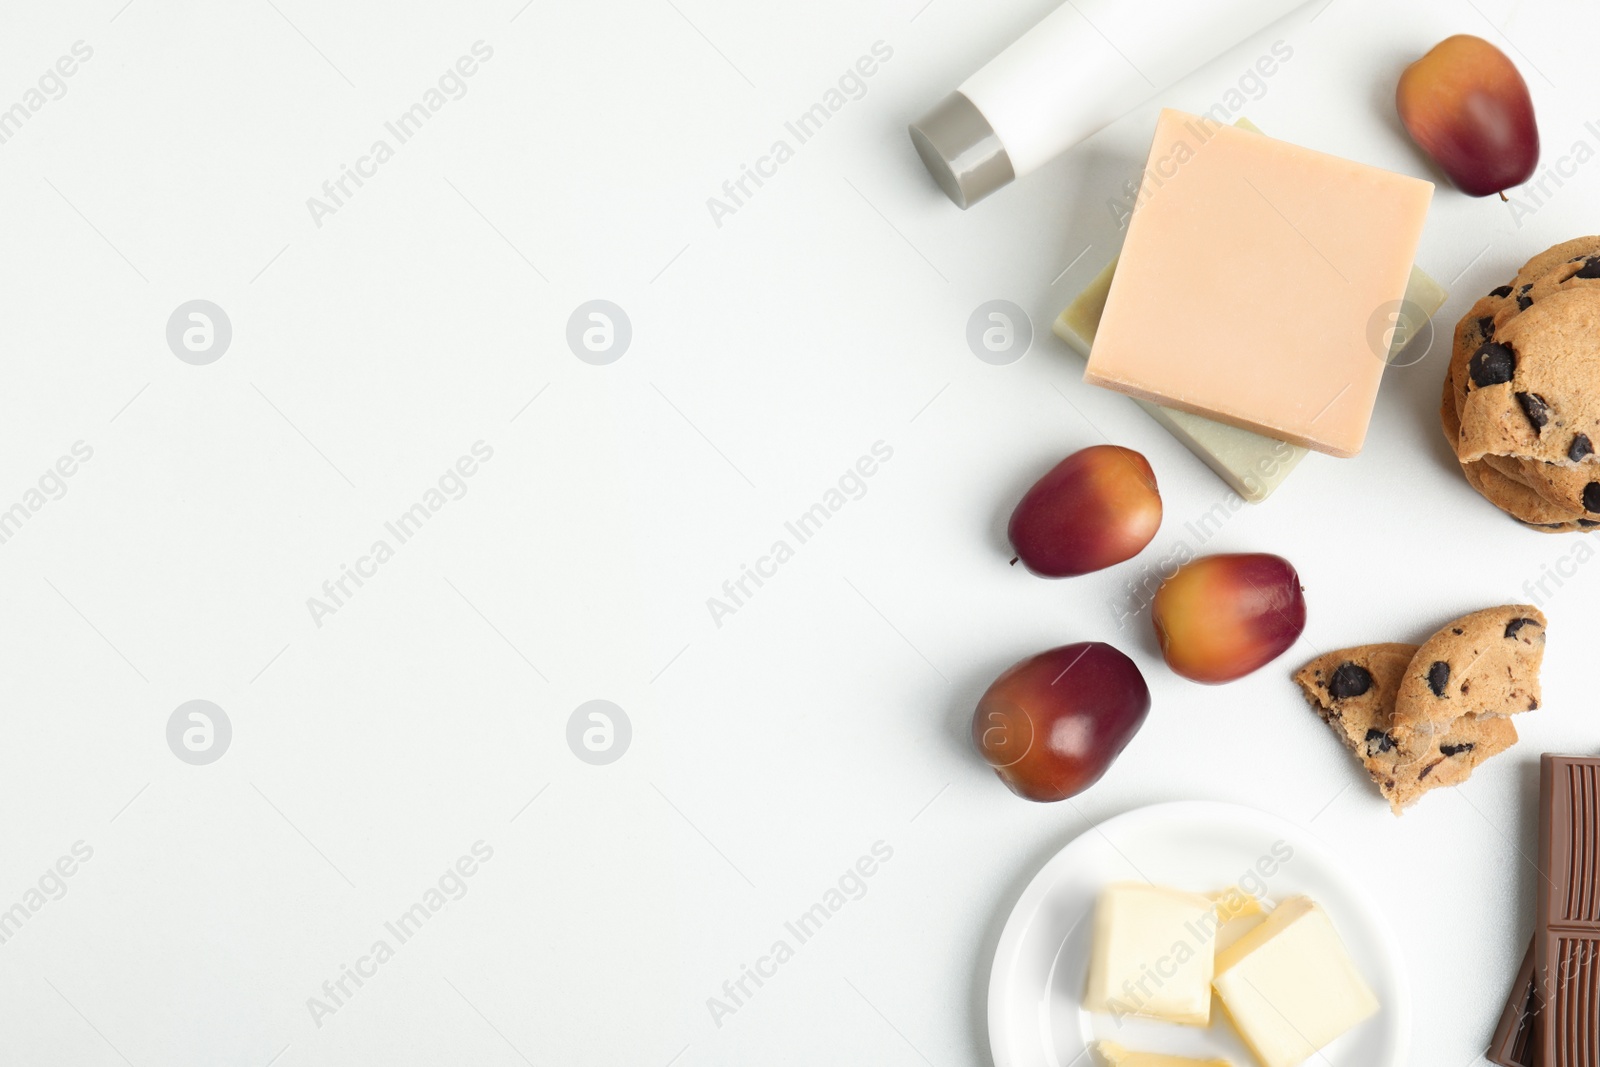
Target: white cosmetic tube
{"x":1086,"y":65}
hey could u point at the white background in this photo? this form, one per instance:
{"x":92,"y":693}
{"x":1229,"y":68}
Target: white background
{"x":768,"y":354}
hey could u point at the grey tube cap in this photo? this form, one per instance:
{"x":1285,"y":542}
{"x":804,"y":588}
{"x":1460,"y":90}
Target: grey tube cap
{"x":962,"y":151}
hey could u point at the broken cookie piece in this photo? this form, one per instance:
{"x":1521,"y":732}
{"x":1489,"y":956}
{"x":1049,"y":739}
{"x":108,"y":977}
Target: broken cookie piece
{"x":1354,"y":691}
{"x":1484,"y":664}
{"x":1432,"y":762}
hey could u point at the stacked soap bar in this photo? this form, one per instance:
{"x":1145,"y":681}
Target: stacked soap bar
{"x":1253,"y":464}
{"x":1252,"y":276}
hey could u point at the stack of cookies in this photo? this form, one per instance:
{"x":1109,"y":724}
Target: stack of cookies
{"x":1522,"y":398}
{"x":1421,"y":717}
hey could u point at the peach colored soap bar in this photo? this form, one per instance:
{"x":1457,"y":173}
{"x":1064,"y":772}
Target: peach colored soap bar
{"x":1257,"y":284}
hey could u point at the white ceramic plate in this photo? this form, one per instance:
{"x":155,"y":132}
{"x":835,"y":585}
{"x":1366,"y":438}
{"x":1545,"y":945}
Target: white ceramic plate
{"x":1036,"y":1018}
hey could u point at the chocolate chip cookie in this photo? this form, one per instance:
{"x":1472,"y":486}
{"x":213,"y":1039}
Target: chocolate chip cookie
{"x":1534,"y":390}
{"x":1354,"y":691}
{"x":1501,"y":479}
{"x":1547,"y":491}
{"x":1519,"y":500}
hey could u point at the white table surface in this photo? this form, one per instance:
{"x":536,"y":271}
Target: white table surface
{"x":768,"y":353}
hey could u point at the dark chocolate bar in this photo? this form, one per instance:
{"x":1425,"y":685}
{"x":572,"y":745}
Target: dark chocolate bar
{"x":1516,"y":1038}
{"x":1567,"y":926}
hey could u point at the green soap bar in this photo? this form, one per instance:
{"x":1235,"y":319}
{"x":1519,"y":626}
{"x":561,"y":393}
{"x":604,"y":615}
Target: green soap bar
{"x":1251,"y":464}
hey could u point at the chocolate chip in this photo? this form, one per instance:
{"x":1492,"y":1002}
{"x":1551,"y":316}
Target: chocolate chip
{"x":1378,"y":741}
{"x":1458,"y":631}
{"x":1517,"y":624}
{"x":1580,"y":447}
{"x":1590,"y":268}
{"x":1438,"y":677}
{"x":1349,"y":680}
{"x":1486,"y":327}
{"x":1492,"y":364}
{"x":1588,"y":522}
{"x":1524,"y":303}
{"x":1524,"y":289}
{"x":1535,"y":408}
{"x":1456,"y":750}
{"x":1504,"y":290}
{"x":1591,"y":498}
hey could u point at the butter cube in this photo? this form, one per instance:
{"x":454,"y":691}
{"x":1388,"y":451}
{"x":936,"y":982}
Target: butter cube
{"x":1289,"y":985}
{"x":1152,"y":954}
{"x":1117,"y":1056}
